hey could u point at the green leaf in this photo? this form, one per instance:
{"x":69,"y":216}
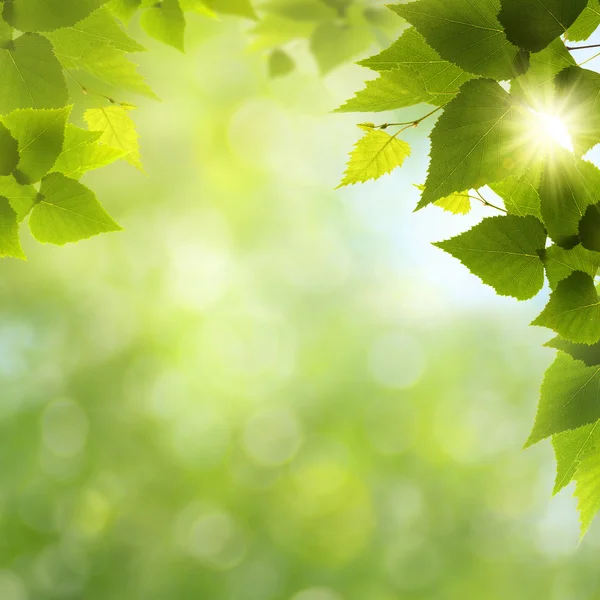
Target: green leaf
{"x":375,"y":155}
{"x":100,"y":60}
{"x":415,"y":74}
{"x":301,"y":10}
{"x":31,"y":75}
{"x":280,"y":64}
{"x":568,"y":186}
{"x":520,"y":194}
{"x":335,"y":43}
{"x":536,"y":87}
{"x":589,"y":355}
{"x":393,"y":89}
{"x":569,"y":448}
{"x":21,"y":197}
{"x":6,"y":31}
{"x":40,"y":134}
{"x":570,"y":398}
{"x":577,"y":92}
{"x":66,"y":211}
{"x":534,"y":24}
{"x":101,"y":26}
{"x":587,"y":489}
{"x":117,"y":129}
{"x":441,"y":79}
{"x":10,"y":244}
{"x":573,"y":310}
{"x":239,"y":8}
{"x":470,"y":37}
{"x":47,"y":15}
{"x":479,"y":139}
{"x":9,"y":152}
{"x":124,"y":9}
{"x":560,"y":263}
{"x":589,"y":228}
{"x":586,"y":24}
{"x":165,"y":22}
{"x":504,"y":252}
{"x":82,"y":153}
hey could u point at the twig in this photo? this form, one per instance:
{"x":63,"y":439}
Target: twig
{"x":583,"y":47}
{"x":486,"y":203}
{"x":408,"y":124}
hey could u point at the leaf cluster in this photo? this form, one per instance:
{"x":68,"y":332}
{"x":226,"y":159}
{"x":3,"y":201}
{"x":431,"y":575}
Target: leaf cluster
{"x":500,"y":74}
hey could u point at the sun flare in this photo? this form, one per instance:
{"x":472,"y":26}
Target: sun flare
{"x":551,"y":128}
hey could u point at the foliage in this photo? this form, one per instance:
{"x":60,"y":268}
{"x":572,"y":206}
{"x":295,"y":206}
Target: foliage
{"x":456,"y":56}
{"x":491,"y":68}
{"x":67,"y":77}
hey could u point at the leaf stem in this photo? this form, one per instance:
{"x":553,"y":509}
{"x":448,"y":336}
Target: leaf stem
{"x":409,"y":124}
{"x":481,"y":199}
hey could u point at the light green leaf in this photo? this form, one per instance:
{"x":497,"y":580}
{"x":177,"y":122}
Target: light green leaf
{"x":40,"y":134}
{"x":280,"y":63}
{"x":239,"y":8}
{"x":568,"y":186}
{"x":66,"y":211}
{"x":457,"y":204}
{"x":570,"y":398}
{"x":504,"y":252}
{"x":165,"y":22}
{"x":99,"y":27}
{"x":534,"y":24}
{"x":272,"y":32}
{"x":82,"y":153}
{"x":301,"y":10}
{"x":9,"y":152}
{"x":577,"y":91}
{"x":117,"y":129}
{"x":21,"y":197}
{"x":10,"y":244}
{"x":573,"y":310}
{"x":47,"y":15}
{"x":536,"y":87}
{"x":569,"y":448}
{"x":479,"y":139}
{"x":520,"y":194}
{"x":102,"y":61}
{"x":336,"y":43}
{"x":375,"y":155}
{"x":587,"y":489}
{"x":560,"y":263}
{"x":470,"y":37}
{"x":586,"y":24}
{"x":31,"y":75}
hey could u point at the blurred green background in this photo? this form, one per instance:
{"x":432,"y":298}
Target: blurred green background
{"x":264,"y":389}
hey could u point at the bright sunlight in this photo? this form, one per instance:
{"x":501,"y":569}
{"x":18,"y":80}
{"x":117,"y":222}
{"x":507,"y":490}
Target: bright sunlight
{"x":551,"y":127}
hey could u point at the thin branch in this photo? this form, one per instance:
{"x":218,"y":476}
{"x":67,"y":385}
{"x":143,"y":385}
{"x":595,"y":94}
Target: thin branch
{"x":409,"y":124}
{"x":486,"y":203}
{"x":583,"y":47}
